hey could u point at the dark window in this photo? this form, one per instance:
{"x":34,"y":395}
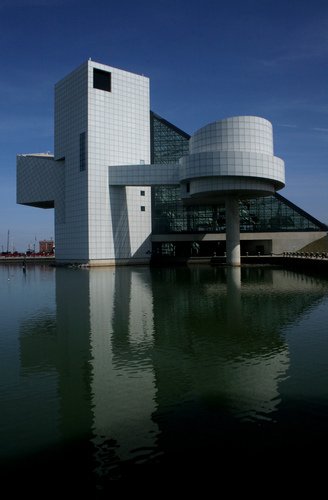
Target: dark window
{"x":101,"y":80}
{"x":83,"y":153}
{"x":143,"y":209}
{"x":142,"y":193}
{"x":188,"y":187}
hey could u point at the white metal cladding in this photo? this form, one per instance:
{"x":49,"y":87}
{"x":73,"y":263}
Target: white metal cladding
{"x":216,"y":186}
{"x":239,"y":147}
{"x":40,"y":180}
{"x":232,"y":163}
{"x":229,"y":153}
{"x":239,"y":133}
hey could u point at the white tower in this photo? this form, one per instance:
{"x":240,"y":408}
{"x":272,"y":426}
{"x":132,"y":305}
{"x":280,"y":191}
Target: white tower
{"x":101,"y":119}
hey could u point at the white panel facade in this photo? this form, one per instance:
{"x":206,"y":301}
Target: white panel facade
{"x":139,"y":175}
{"x":41,"y":183}
{"x":118,"y":134}
{"x":238,"y":148}
{"x":238,"y":133}
{"x":102,"y":224}
{"x":39,"y":180}
{"x":71,"y":120}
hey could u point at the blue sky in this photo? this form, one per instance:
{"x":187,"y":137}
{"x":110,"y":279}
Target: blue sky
{"x":207,"y":60}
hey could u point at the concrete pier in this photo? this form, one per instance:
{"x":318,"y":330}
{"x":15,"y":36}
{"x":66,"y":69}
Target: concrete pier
{"x":232,"y":231}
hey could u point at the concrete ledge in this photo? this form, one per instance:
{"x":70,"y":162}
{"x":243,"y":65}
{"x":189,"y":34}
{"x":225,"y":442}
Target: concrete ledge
{"x":118,"y":262}
{"x":102,"y":262}
{"x":27,"y":260}
{"x":272,"y":260}
{"x":307,"y":263}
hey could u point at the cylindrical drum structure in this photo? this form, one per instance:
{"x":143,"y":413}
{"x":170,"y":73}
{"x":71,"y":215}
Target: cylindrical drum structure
{"x":232,"y":157}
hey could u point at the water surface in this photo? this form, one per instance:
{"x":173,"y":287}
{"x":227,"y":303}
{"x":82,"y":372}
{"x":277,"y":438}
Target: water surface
{"x":121,"y":373}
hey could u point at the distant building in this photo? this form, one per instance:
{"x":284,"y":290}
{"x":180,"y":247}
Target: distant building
{"x":46,"y":246}
{"x":125,"y":183}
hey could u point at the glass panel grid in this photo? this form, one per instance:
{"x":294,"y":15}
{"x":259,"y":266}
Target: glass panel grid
{"x":170,"y":215}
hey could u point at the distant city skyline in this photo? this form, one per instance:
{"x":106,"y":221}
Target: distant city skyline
{"x":206,"y":61}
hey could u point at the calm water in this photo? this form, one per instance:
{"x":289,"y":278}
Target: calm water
{"x":120,"y":373}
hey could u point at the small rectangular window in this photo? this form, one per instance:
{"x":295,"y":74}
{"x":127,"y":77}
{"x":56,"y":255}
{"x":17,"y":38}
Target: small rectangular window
{"x":143,"y":209}
{"x":83,"y":152}
{"x":102,"y":80}
{"x":142,"y":193}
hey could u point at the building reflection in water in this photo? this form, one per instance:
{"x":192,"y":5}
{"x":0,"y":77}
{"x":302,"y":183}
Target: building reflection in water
{"x":251,"y":379}
{"x":148,"y":357}
{"x":123,"y":378}
{"x":60,"y":342}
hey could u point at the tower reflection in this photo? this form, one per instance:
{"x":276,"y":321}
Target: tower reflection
{"x":148,"y":358}
{"x":123,"y":380}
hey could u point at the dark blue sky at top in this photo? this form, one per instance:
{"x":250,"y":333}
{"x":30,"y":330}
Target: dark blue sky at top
{"x":206,"y":60}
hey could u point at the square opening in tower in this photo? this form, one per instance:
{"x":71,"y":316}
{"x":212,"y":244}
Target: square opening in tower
{"x":102,"y":80}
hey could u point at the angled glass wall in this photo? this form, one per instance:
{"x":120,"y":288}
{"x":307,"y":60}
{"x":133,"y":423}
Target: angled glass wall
{"x":168,"y":143}
{"x":265,"y":214}
{"x":169,"y":215}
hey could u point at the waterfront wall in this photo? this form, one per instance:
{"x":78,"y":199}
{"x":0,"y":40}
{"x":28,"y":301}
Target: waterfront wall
{"x":29,"y":260}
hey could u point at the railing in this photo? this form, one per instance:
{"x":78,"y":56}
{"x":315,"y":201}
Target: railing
{"x":306,"y":255}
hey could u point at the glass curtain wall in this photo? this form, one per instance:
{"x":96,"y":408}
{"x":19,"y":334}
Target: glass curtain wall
{"x":169,"y":215}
